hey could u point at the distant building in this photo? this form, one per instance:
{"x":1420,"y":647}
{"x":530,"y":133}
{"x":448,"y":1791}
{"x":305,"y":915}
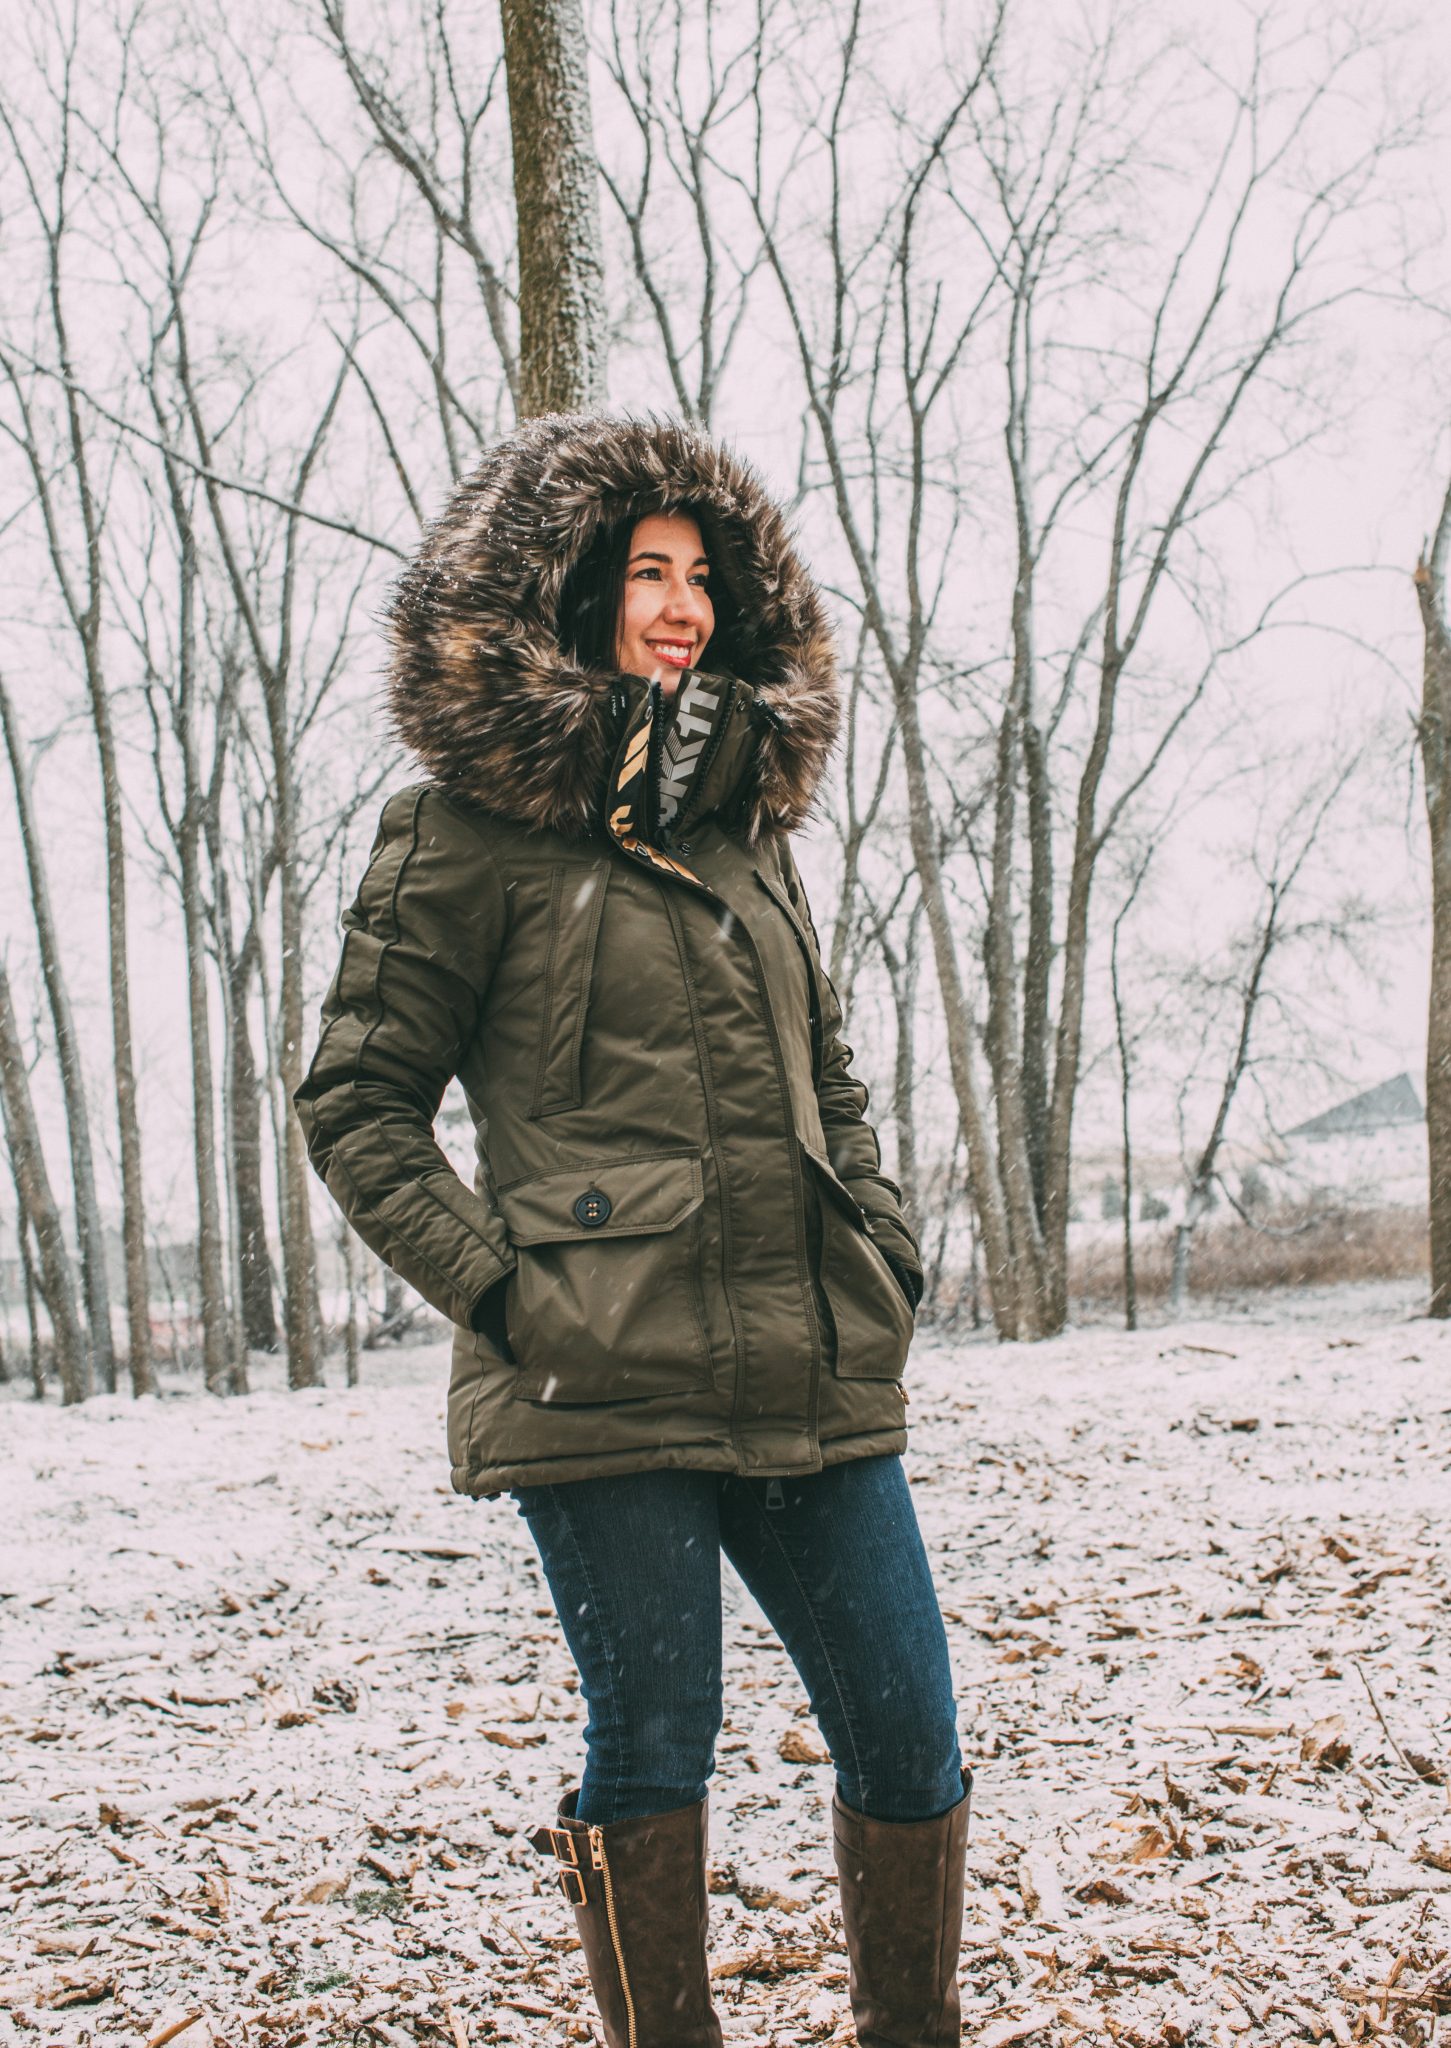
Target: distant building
{"x":1371,"y":1147}
{"x":1390,"y":1107}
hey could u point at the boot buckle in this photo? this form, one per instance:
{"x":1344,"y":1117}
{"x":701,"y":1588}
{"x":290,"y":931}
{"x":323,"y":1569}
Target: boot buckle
{"x":557,"y":1842}
{"x":565,"y":1874}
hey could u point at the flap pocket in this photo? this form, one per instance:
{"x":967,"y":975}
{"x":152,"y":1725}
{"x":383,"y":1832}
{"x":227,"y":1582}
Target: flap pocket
{"x":835,"y":1186}
{"x":871,"y":1313}
{"x":629,"y":1197}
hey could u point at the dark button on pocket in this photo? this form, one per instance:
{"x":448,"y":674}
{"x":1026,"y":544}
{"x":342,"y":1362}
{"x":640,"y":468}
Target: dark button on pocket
{"x":593,"y":1209}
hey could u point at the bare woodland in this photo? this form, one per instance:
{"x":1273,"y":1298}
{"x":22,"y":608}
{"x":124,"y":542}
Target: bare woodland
{"x":1051,"y":325}
{"x":1032,"y":331}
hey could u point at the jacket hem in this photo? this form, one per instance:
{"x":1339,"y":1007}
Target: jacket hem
{"x":488,"y":1482}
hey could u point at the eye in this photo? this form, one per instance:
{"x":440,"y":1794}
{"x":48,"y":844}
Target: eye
{"x":649,"y":569}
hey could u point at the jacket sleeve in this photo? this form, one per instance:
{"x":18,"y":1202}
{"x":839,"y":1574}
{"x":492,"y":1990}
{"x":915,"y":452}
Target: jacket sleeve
{"x":421,"y":940}
{"x":851,"y":1141}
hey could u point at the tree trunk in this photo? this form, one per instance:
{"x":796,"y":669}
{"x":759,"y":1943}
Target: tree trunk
{"x":32,"y":1317}
{"x":1438,"y":1084}
{"x":1179,"y":1275}
{"x":1435,"y":739}
{"x":78,"y":1122}
{"x":299,"y":1253}
{"x":562,"y":336}
{"x":241,"y":1111}
{"x":1131,"y":1285}
{"x":133,"y":1201}
{"x":348,"y":1244}
{"x":232,"y":1235}
{"x":27,"y":1277}
{"x":217,"y":1360}
{"x":394,"y":1297}
{"x":259,"y":1312}
{"x":1125,"y":1068}
{"x":33,"y":1184}
{"x":905,"y":973}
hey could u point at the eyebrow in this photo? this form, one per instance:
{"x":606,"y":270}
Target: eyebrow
{"x":649,"y":555}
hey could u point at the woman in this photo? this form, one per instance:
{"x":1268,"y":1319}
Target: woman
{"x":682,"y":1285}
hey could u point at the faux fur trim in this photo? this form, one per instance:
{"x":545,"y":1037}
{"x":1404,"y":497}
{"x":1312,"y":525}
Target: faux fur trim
{"x":478,"y":687}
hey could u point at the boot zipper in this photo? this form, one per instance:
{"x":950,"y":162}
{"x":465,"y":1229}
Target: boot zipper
{"x":597,"y":1858}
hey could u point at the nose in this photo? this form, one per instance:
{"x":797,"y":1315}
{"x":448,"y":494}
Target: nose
{"x":686,"y":604}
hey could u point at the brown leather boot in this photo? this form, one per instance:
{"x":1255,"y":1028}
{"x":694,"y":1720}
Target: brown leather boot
{"x":640,"y":1903}
{"x":901,"y":1905}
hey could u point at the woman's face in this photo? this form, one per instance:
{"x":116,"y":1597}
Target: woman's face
{"x":667,"y":617}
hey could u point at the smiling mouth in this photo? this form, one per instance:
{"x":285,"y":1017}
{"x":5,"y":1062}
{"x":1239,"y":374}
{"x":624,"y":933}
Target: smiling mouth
{"x":676,"y":652}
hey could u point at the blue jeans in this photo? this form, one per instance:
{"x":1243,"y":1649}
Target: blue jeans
{"x":835,"y":1561}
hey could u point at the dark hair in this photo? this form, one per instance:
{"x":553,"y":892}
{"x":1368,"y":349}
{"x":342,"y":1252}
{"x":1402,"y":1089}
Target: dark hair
{"x":593,"y":596}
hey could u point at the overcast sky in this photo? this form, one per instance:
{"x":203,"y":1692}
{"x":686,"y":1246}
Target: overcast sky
{"x":1360,"y":501}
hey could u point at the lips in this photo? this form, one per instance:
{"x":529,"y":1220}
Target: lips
{"x":676,"y":652}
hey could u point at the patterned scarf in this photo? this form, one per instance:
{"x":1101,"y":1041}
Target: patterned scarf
{"x":684,"y":743}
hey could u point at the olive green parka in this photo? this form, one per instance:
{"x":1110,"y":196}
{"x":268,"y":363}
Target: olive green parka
{"x":679,"y":1249}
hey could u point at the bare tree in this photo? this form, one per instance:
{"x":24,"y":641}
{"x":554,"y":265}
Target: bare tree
{"x":562,"y":328}
{"x":176,"y":698}
{"x":238,"y":957}
{"x":411,"y":204}
{"x":38,"y":1208}
{"x":1270,"y":936}
{"x":73,"y":545}
{"x":272,"y":652}
{"x":683,"y":72}
{"x":78,"y":1117}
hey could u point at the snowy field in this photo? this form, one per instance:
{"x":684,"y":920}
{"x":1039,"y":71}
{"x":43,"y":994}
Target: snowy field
{"x":277,"y":1707}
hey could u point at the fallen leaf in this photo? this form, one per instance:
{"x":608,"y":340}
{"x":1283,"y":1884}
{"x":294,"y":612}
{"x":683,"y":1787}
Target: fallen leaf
{"x":1325,"y":1745}
{"x":1435,"y":1848}
{"x":759,"y":1896}
{"x":797,"y":1747}
{"x":1146,"y":1845}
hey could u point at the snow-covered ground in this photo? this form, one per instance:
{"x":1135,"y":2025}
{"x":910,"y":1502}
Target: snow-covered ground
{"x":277,"y":1707}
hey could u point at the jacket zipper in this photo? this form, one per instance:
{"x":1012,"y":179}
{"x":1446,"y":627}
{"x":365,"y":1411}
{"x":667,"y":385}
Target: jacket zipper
{"x":659,"y":714}
{"x":712,"y":1128}
{"x":601,"y":1864}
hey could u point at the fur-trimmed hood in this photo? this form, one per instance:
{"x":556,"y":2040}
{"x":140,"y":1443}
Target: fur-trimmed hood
{"x":478,"y":687}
